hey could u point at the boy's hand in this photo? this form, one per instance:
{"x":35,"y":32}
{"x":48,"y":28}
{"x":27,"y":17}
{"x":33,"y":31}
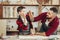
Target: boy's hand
{"x":31,"y":16}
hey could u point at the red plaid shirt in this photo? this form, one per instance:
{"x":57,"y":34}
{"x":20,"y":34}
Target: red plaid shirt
{"x":53,"y":24}
{"x":22,"y":26}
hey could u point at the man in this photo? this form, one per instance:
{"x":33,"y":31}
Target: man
{"x":49,"y":27}
{"x":23,"y":20}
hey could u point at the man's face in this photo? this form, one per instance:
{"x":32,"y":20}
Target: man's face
{"x":49,"y":14}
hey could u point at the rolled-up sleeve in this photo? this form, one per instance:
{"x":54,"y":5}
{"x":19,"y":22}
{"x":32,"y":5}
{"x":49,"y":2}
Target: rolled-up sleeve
{"x":40,"y":17}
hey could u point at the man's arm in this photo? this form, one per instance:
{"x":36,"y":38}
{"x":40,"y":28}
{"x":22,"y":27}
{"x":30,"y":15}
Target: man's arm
{"x":38,"y":18}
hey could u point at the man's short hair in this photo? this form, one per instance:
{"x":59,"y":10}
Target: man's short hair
{"x":54,"y":9}
{"x":20,"y":8}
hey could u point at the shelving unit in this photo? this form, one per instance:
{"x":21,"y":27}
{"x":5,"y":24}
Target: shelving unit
{"x":12,"y":5}
{"x":1,"y":8}
{"x":18,"y":5}
{"x":36,"y":8}
{"x":7,"y":3}
{"x":11,"y":21}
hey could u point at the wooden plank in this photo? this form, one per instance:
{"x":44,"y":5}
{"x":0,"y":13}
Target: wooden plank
{"x":1,"y":11}
{"x":17,"y":5}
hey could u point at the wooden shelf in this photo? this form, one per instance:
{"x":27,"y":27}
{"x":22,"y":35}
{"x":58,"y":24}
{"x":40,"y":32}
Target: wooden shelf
{"x":8,"y":18}
{"x":19,"y":5}
{"x":50,"y":5}
{"x":12,"y":32}
{"x":25,"y":5}
{"x":11,"y":18}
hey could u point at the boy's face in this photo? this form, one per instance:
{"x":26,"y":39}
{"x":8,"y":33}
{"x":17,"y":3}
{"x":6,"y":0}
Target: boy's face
{"x":50,"y":14}
{"x":22,"y":11}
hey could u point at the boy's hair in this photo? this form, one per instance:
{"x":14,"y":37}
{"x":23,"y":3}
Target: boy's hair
{"x":54,"y":9}
{"x":20,"y":8}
